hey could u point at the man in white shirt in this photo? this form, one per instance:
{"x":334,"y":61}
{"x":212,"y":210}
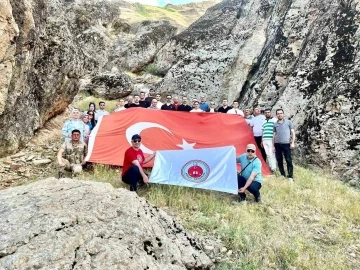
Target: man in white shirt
{"x":159,"y":103}
{"x":256,"y":124}
{"x":101,"y":111}
{"x":154,"y":105}
{"x":196,"y":107}
{"x":235,"y":109}
{"x":121,"y":106}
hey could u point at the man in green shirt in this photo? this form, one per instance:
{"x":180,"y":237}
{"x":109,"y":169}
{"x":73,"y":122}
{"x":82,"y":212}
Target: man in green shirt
{"x":267,"y":139}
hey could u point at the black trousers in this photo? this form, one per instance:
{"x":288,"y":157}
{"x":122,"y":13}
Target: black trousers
{"x":258,"y":140}
{"x":132,"y":176}
{"x":254,"y":188}
{"x":283,"y":149}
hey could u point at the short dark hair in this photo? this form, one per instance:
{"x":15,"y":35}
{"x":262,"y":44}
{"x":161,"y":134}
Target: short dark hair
{"x":235,"y":101}
{"x":142,"y":92}
{"x":75,"y":130}
{"x":101,"y":102}
{"x":168,"y":96}
{"x":136,"y":95}
{"x":278,"y":110}
{"x":267,"y":110}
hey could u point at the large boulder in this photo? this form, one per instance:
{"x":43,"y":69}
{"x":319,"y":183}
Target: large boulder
{"x":110,"y":86}
{"x":299,"y":55}
{"x":149,"y":38}
{"x":70,"y":224}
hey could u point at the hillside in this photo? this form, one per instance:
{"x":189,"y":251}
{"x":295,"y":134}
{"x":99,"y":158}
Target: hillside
{"x":180,"y":16}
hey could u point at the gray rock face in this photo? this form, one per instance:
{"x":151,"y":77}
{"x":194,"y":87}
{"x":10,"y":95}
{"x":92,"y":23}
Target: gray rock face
{"x":302,"y":56}
{"x":150,"y":37}
{"x":110,"y":86}
{"x":69,"y":224}
{"x":46,"y":55}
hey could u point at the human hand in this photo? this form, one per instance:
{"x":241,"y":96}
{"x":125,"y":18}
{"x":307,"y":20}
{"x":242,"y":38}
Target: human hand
{"x":292,"y":145}
{"x":242,"y":190}
{"x":61,"y":164}
{"x":146,"y":179}
{"x":274,"y":150}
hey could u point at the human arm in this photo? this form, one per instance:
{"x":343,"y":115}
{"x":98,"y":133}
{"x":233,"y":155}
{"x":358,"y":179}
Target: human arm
{"x":83,"y":161}
{"x":144,"y":176}
{"x":59,"y":157}
{"x":149,"y":158}
{"x":65,"y":131}
{"x":248,"y":182}
{"x":292,"y":134}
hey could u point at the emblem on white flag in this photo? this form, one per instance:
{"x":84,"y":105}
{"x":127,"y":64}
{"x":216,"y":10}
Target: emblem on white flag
{"x":196,"y":171}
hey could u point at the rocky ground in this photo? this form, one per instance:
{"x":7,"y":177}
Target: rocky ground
{"x":33,"y":162}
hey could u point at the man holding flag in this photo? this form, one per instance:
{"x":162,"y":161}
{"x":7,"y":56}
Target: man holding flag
{"x":250,"y":176}
{"x":132,"y":171}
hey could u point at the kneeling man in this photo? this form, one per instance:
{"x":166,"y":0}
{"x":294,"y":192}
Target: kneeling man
{"x":250,"y":176}
{"x":74,"y":153}
{"x":132,"y":171}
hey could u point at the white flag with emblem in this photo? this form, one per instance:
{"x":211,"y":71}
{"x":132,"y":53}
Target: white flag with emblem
{"x":209,"y":168}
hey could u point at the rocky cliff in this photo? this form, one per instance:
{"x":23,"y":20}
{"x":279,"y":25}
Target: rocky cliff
{"x":51,"y":49}
{"x":69,"y":224}
{"x":299,"y":55}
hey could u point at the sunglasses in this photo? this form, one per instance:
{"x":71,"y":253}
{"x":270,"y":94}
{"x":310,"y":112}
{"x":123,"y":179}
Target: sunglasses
{"x":250,"y":151}
{"x":136,"y":141}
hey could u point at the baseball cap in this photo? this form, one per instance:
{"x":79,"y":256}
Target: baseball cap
{"x":136,"y":136}
{"x":251,"y":147}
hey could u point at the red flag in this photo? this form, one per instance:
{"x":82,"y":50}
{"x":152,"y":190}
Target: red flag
{"x":166,"y":130}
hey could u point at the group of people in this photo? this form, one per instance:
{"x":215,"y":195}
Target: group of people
{"x":274,"y":137}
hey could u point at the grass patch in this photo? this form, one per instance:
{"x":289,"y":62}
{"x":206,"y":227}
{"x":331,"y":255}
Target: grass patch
{"x":141,"y":9}
{"x":83,"y":104}
{"x":306,"y":225}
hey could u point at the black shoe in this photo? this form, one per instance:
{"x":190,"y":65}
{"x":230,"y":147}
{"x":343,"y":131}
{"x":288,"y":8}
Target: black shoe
{"x":242,"y":198}
{"x":258,"y":199}
{"x":60,"y":174}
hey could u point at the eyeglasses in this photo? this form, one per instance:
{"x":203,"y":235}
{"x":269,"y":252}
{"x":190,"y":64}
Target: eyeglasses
{"x":212,"y":103}
{"x":136,"y":141}
{"x":250,"y":151}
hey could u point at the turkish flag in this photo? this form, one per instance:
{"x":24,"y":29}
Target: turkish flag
{"x":166,"y":130}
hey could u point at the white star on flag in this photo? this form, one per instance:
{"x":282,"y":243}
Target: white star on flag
{"x":185,"y":145}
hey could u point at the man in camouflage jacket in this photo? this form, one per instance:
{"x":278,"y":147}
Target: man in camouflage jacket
{"x":71,"y":155}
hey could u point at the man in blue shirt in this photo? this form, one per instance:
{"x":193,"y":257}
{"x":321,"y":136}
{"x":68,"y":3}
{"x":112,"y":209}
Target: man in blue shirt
{"x":203,"y":105}
{"x":250,"y":176}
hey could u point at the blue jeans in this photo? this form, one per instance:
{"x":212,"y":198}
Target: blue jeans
{"x":132,"y":176}
{"x":280,"y":150}
{"x":254,"y":188}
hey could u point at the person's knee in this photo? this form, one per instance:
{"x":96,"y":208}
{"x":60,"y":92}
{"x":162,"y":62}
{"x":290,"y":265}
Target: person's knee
{"x":77,"y":168}
{"x":134,"y":168}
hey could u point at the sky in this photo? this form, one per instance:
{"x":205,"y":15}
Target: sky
{"x":164,"y":2}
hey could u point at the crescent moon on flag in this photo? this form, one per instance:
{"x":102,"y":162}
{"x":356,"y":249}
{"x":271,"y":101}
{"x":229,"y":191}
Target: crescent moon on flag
{"x":137,"y":128}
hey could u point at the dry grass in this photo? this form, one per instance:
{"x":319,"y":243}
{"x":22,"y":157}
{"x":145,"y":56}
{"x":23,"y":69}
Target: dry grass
{"x":311,"y":224}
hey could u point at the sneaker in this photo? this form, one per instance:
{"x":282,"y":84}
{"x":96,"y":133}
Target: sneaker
{"x":291,"y":180}
{"x":258,"y":199}
{"x":242,"y":199}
